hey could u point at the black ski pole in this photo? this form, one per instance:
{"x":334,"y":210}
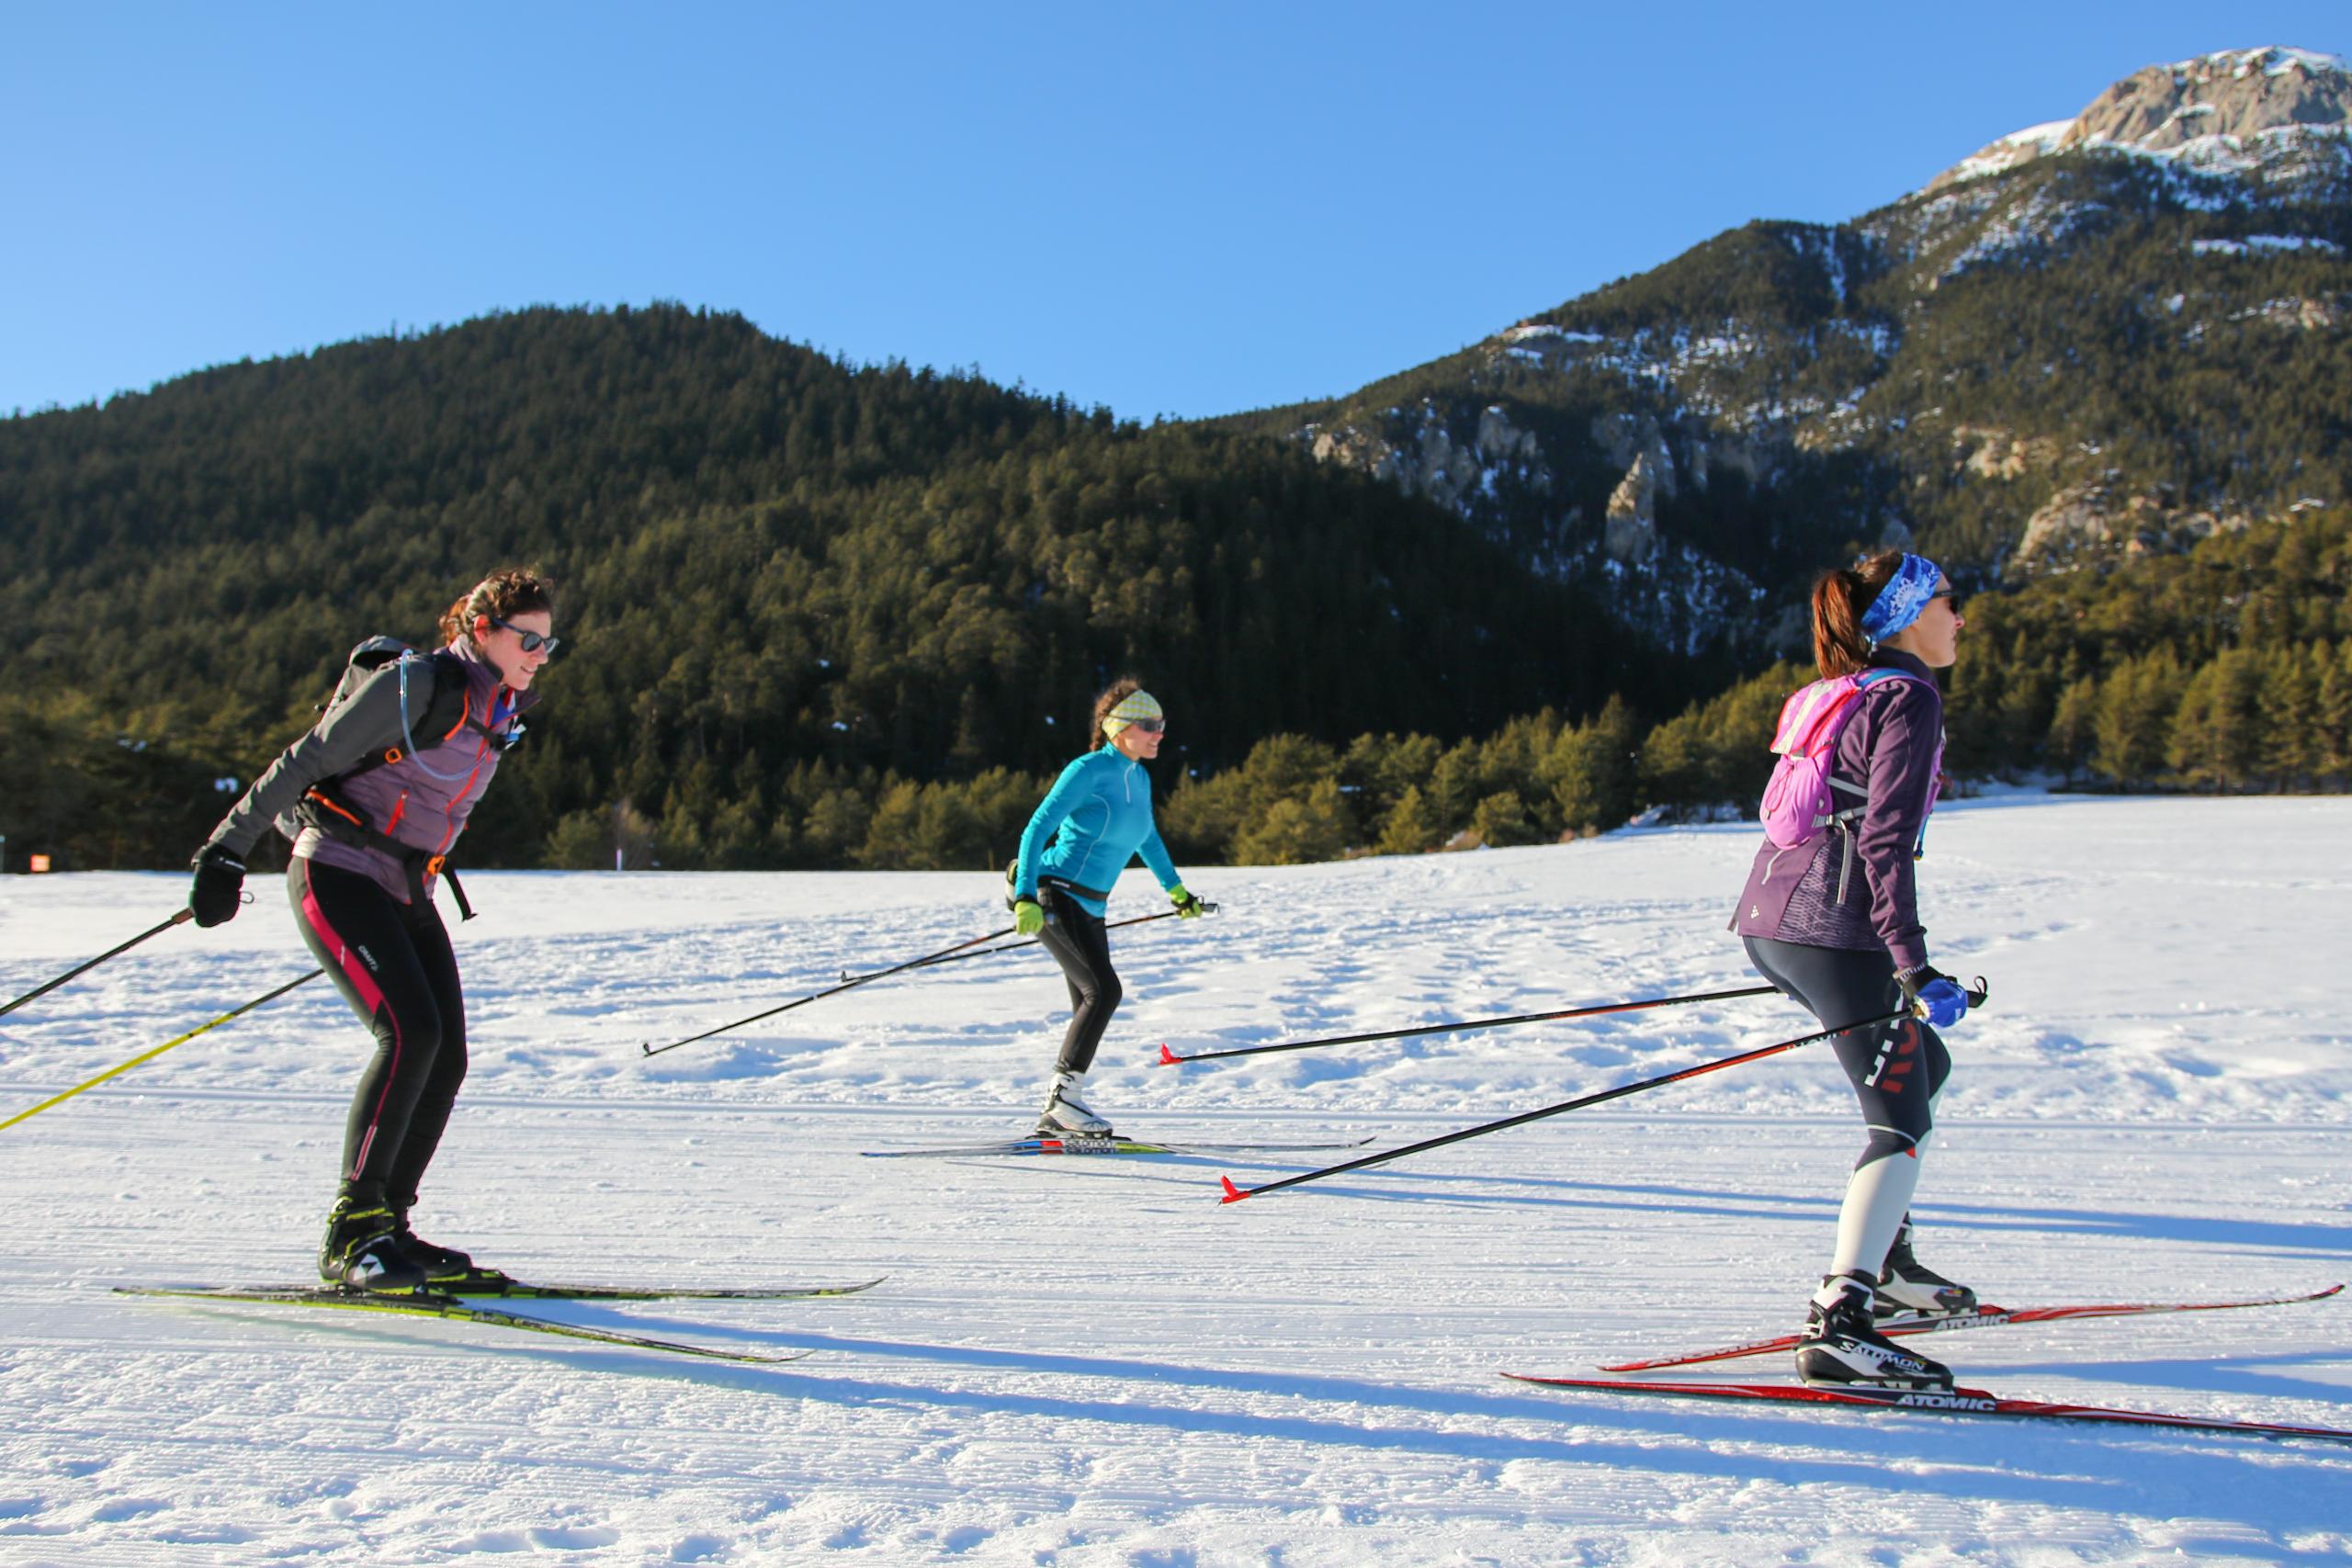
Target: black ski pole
{"x":1169,"y":1058}
{"x":1235,"y":1194}
{"x":850,"y":982}
{"x":159,"y":929}
{"x":1032,"y":941}
{"x":150,"y":1055}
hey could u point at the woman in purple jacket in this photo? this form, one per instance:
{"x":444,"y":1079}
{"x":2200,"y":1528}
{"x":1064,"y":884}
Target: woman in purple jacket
{"x":1834,"y":922}
{"x":373,"y":798}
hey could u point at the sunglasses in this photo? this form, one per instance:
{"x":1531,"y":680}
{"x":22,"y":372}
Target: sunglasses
{"x":532,"y":641}
{"x":1148,"y":725}
{"x":1950,"y":596}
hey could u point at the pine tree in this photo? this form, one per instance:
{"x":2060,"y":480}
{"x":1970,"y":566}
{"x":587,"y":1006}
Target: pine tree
{"x":1410,"y":828}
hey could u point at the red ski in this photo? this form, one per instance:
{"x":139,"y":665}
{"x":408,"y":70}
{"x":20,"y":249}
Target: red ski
{"x":1981,"y":1317}
{"x":1940,"y":1402}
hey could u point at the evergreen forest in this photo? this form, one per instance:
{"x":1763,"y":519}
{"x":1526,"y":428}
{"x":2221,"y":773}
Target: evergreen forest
{"x":822,"y":615}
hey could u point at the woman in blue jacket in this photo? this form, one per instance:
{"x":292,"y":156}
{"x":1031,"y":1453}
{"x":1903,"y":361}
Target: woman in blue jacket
{"x":1096,"y":819}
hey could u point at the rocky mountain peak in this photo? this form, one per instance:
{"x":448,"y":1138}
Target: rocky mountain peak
{"x":2222,"y":113}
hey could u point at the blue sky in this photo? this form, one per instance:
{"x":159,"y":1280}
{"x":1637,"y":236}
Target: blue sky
{"x":1169,"y":209}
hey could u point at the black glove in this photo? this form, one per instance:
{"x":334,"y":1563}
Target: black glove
{"x":219,"y":886}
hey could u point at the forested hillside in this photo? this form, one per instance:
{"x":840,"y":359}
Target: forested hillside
{"x":820,"y":615}
{"x":788,"y":586}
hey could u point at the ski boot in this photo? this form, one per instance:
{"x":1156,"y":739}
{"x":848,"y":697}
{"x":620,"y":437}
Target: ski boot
{"x":361,"y":1251}
{"x":1841,"y":1346}
{"x":446,"y":1268}
{"x":1907,"y":1287}
{"x":1065,"y":1115}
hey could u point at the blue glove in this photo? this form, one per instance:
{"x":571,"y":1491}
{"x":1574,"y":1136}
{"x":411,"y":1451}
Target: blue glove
{"x":1935,"y":996}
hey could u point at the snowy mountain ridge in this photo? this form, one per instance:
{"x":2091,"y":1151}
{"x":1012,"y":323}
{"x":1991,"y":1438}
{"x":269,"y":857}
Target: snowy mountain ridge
{"x":2233,"y":112}
{"x":1692,"y":440}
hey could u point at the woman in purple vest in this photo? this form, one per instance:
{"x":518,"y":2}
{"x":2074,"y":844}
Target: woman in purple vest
{"x":373,"y":798}
{"x":1834,"y":922}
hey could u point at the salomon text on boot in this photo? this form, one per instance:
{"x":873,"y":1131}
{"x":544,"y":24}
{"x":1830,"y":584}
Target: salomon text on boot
{"x":1842,"y":1347}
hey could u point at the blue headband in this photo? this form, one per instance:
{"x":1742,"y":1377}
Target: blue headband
{"x":1903,"y":600}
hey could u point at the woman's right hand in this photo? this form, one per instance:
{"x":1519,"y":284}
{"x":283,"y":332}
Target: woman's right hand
{"x":1935,"y":996}
{"x":219,"y":886}
{"x":1028,"y":916}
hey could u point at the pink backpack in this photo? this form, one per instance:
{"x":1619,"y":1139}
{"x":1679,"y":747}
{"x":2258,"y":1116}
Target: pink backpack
{"x":1802,"y":800}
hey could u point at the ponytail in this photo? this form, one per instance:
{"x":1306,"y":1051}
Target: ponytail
{"x":1841,"y":597}
{"x":509,"y":592}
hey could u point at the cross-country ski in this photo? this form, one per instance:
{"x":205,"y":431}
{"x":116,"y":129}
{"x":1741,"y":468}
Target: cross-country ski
{"x":1936,"y":1402}
{"x":1076,"y":1143}
{"x":1980,"y":1316}
{"x":452,"y":1309}
{"x":500,"y":1288}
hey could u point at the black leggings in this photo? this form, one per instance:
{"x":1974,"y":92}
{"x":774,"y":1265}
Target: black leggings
{"x":1896,"y":1069}
{"x":393,"y":965}
{"x":1076,"y":940}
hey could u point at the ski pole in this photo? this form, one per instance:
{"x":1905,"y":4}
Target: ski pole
{"x":150,"y":1055}
{"x":849,"y":982}
{"x":179,"y":916}
{"x":1169,"y":1058}
{"x":1032,"y":941}
{"x":1235,"y":1194}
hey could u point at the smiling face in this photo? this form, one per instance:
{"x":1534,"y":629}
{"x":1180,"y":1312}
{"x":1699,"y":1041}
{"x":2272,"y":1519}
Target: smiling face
{"x":503,"y":645}
{"x":1137,"y":742}
{"x":1934,"y":638}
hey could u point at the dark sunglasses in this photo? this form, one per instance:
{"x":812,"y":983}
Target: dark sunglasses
{"x":1148,"y":725}
{"x":532,"y":641}
{"x":1950,"y":594}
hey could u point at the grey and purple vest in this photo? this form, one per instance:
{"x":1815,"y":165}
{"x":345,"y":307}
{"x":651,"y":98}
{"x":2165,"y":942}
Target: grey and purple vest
{"x":353,"y":794}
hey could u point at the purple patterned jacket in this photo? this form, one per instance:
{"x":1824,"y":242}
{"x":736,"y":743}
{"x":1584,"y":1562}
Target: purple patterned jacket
{"x":1891,"y":747}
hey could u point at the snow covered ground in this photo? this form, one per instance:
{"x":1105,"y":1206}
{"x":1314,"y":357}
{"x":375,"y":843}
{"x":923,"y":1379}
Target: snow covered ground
{"x":1094,"y":1361}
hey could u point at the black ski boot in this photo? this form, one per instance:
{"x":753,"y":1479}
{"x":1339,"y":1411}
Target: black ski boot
{"x":1907,"y":1287}
{"x":1842,"y":1347}
{"x":361,"y":1250}
{"x":446,"y":1268}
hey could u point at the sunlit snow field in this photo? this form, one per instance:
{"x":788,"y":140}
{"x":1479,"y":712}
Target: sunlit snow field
{"x":1094,"y":1361}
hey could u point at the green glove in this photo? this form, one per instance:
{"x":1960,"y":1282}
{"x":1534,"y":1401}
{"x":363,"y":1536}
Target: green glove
{"x":1028,"y":916}
{"x":1187,"y":906}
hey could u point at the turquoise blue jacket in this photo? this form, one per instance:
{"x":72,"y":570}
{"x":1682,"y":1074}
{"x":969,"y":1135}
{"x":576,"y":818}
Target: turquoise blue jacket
{"x":1102,"y":808}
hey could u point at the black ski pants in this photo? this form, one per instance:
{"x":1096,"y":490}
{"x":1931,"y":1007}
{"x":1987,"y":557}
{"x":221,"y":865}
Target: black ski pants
{"x":393,"y":963}
{"x":1896,"y":1068}
{"x":1079,"y":945}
